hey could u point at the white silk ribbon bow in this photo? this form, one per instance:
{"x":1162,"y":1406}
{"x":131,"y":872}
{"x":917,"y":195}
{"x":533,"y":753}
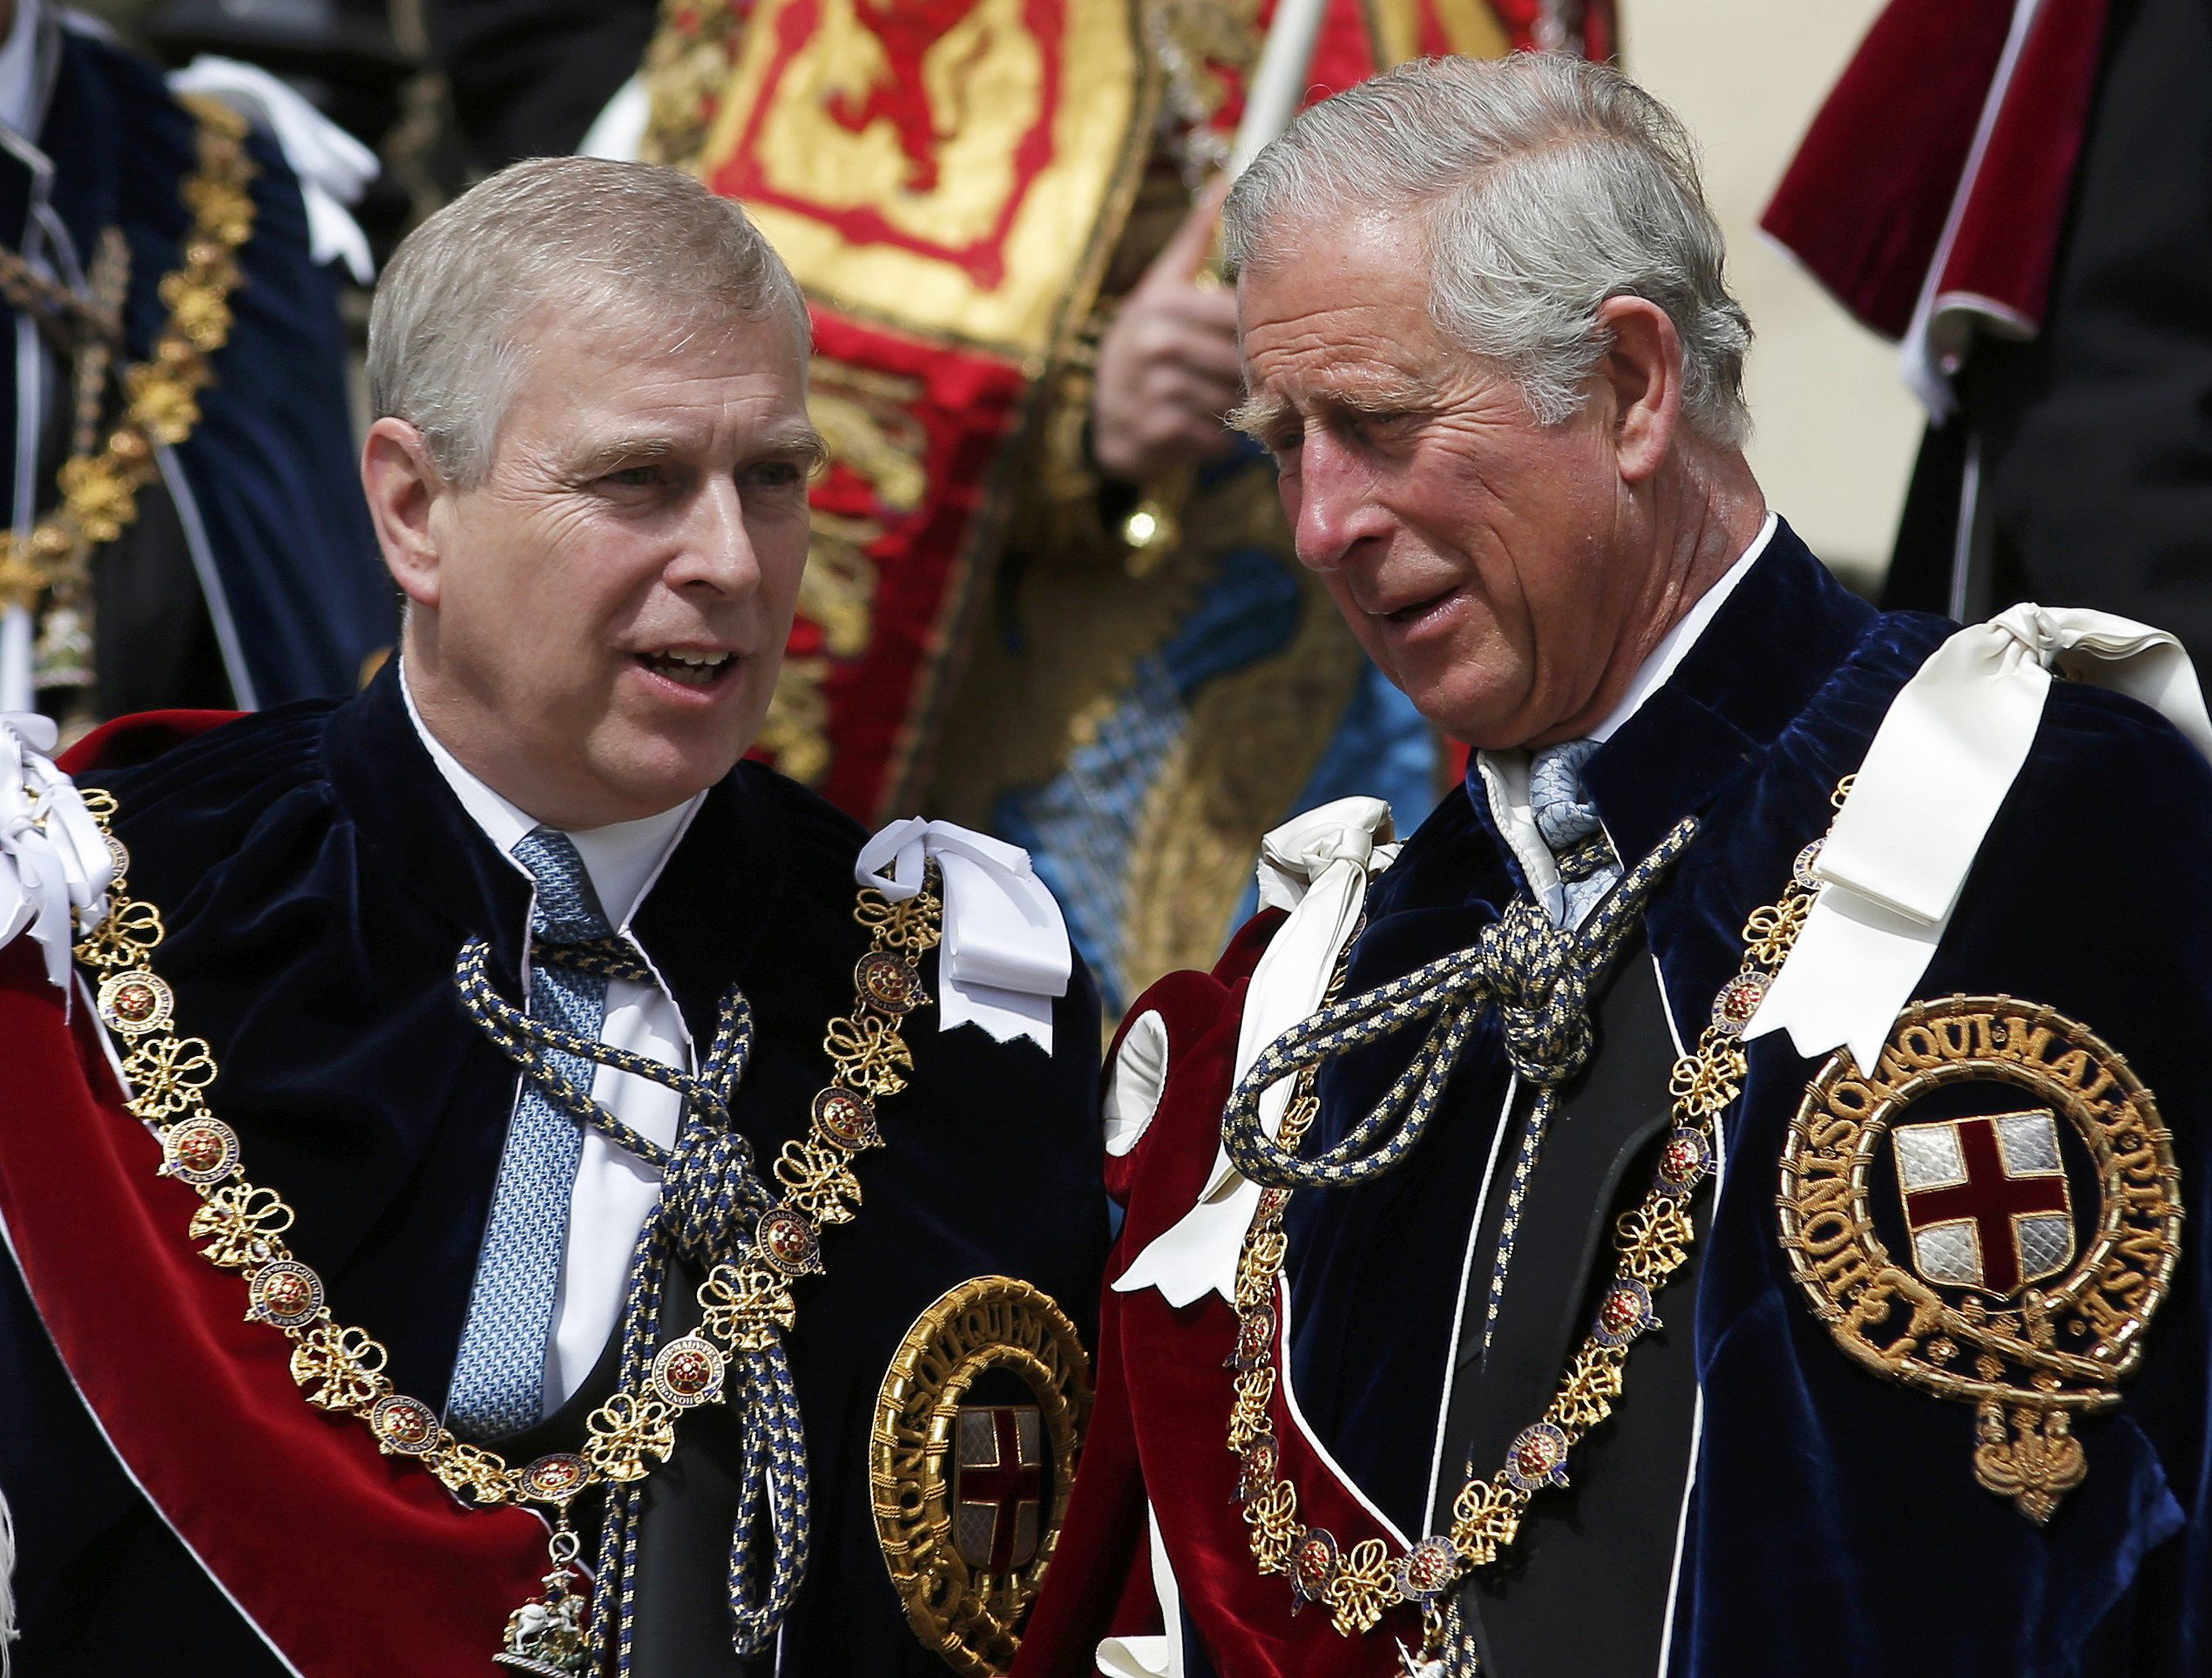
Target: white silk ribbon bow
{"x":1005,"y":953}
{"x":1317,"y":866}
{"x":53,"y":857}
{"x":1944,"y":757}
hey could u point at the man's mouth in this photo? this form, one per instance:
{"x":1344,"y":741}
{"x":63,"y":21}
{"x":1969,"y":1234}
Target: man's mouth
{"x":694,"y":669}
{"x":1417,"y":609}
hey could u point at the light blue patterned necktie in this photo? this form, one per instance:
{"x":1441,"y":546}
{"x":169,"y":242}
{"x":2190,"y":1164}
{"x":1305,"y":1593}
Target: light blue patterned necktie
{"x":498,"y":1376}
{"x":1568,"y":819}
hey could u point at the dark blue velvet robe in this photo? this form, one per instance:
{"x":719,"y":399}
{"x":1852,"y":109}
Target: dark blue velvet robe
{"x":1835,"y":1527}
{"x":318,"y":877}
{"x":272,"y":510}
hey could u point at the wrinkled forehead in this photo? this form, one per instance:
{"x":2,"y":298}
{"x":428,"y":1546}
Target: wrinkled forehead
{"x":581,"y":370}
{"x":1350,"y":303}
{"x":1346,"y":355}
{"x":657,"y":333}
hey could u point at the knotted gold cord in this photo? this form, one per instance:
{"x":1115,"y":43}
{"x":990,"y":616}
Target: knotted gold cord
{"x":1654,"y":1238}
{"x":241,"y":1226}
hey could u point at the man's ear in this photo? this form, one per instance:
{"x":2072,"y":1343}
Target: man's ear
{"x":401,"y":480}
{"x":1644,"y":371}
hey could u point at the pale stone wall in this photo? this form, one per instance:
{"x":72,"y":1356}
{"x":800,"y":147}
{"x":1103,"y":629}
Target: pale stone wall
{"x":1836,"y":431}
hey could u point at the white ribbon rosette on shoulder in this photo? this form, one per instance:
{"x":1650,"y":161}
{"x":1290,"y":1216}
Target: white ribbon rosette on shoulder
{"x":1004,"y":955}
{"x":1947,"y":752}
{"x":54,"y":860}
{"x":331,"y":168}
{"x":1317,"y":867}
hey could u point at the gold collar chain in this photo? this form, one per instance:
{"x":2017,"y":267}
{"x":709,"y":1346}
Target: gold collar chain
{"x":1359,"y":1586}
{"x":340,"y":1367}
{"x":100,"y":491}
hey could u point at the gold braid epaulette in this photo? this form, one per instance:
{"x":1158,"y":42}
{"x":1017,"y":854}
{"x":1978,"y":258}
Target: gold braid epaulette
{"x":242,"y":1226}
{"x":100,"y":490}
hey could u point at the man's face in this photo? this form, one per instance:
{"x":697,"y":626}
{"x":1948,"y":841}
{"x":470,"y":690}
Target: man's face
{"x":611,"y":604}
{"x":1467,"y":545}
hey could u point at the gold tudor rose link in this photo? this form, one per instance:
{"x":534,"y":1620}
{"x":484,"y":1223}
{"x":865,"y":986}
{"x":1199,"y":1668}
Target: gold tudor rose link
{"x":1359,"y":1586}
{"x":341,"y":1368}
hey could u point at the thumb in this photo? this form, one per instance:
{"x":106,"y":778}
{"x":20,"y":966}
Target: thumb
{"x":1185,"y":255}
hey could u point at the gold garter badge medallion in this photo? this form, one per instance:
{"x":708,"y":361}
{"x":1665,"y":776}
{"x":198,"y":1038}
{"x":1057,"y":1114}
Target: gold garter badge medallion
{"x":1992,"y":1216}
{"x":972,"y":1461}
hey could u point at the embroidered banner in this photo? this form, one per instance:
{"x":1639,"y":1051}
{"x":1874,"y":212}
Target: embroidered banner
{"x":947,"y":179}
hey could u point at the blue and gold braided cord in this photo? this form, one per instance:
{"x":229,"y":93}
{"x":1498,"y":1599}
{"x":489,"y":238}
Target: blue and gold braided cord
{"x":1536,"y":976}
{"x":774,"y":1456}
{"x":1462,"y":1659}
{"x":712,"y":1197}
{"x":524,"y":1040}
{"x":1589,"y":859}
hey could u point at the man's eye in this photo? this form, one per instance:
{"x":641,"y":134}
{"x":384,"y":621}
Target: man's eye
{"x":774,"y":474}
{"x":633,"y":478}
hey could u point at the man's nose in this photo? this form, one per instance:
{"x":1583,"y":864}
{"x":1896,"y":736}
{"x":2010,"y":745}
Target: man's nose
{"x":1335,"y":508}
{"x":717,"y":547}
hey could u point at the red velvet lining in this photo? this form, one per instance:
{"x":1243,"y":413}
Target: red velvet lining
{"x":1099,"y":1576}
{"x":354,"y":1565}
{"x":2006,"y":247}
{"x":1864,"y":202}
{"x":137,"y":738}
{"x":1161,"y":1428}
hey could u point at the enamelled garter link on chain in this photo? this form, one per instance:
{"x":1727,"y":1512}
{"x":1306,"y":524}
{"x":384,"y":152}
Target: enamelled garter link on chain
{"x":1538,"y":977}
{"x":714,"y":1209}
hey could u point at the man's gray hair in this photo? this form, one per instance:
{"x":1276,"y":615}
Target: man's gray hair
{"x":636,"y":243}
{"x":1546,"y":185}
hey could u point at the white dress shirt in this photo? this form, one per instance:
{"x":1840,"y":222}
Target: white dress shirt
{"x":615,"y":1190}
{"x":1505,"y":774}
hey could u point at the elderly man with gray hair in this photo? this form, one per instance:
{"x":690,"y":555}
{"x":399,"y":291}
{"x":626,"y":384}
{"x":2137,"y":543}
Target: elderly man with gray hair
{"x":518,"y":1183}
{"x":1712,"y":1200}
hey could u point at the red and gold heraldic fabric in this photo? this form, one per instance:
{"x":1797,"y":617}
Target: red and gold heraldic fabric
{"x":291,"y":1509}
{"x":947,"y":178}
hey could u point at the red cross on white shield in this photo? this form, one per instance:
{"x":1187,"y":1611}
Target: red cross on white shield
{"x":1986,"y":1199}
{"x":998,"y":1486}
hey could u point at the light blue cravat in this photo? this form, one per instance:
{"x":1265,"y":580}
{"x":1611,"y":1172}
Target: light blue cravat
{"x":498,"y":1376}
{"x":1566,"y":819}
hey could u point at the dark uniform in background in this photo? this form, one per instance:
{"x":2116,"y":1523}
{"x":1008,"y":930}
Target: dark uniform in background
{"x":2070,"y":458}
{"x":244,"y":572}
{"x":528,"y":76}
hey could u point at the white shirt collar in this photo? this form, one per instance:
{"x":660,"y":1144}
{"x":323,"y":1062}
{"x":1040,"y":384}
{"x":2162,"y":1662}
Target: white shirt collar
{"x":1505,"y":774}
{"x":623,"y":858}
{"x":18,"y":70}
